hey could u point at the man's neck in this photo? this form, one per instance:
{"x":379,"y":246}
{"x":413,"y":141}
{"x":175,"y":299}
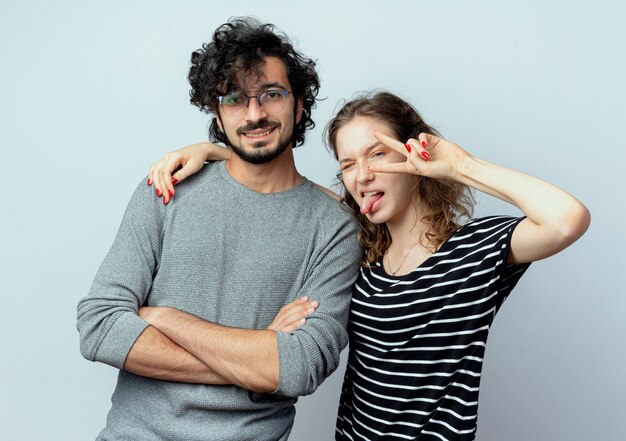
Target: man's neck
{"x":275,"y":176}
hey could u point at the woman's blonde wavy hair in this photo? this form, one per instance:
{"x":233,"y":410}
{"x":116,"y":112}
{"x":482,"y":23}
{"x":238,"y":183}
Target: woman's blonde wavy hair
{"x":444,"y":203}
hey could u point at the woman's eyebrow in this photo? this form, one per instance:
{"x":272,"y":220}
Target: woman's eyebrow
{"x":367,"y":150}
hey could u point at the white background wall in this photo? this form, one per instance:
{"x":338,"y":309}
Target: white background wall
{"x":91,"y":93}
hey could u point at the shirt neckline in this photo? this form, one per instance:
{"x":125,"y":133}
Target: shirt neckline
{"x":245,"y":190}
{"x":384,"y":273}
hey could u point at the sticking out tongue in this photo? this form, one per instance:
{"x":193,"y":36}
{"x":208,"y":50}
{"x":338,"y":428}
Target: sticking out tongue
{"x":368,"y":202}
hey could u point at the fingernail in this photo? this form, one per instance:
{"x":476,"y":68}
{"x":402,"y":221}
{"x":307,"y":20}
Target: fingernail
{"x":423,"y":143}
{"x":149,"y":181}
{"x":315,"y":303}
{"x":158,"y":192}
{"x":408,"y":147}
{"x":164,"y":201}
{"x":171,"y":193}
{"x":310,"y":310}
{"x":174,"y":181}
{"x":305,"y":298}
{"x":302,"y":321}
{"x":426,"y":155}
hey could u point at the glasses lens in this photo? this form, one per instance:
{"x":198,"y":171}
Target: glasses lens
{"x":273,"y":100}
{"x":233,"y":103}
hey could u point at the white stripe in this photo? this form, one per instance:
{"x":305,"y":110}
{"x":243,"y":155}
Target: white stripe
{"x":483,"y":230}
{"x":413,"y":328}
{"x":386,"y":409}
{"x":428,"y":386}
{"x":367,"y":337}
{"x":456,"y":415}
{"x":441,"y":262}
{"x":441,"y":437}
{"x":418,"y":375}
{"x":436,"y":285}
{"x":423,"y":348}
{"x":378,"y":432}
{"x":400,"y":361}
{"x":412,"y":400}
{"x":432,"y":311}
{"x":422,"y":290}
{"x":452,"y":428}
{"x":389,"y":423}
{"x":399,"y":386}
{"x":416,"y":412}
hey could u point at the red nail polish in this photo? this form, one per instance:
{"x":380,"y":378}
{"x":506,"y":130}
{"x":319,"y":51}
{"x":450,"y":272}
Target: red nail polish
{"x":171,"y":193}
{"x":164,"y":201}
{"x":174,"y":181}
{"x":408,"y":147}
{"x":158,"y":192}
{"x":423,"y":143}
{"x":149,"y":181}
{"x":426,"y":155}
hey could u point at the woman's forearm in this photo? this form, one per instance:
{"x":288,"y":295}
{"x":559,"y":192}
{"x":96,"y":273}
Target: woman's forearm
{"x":556,"y":219}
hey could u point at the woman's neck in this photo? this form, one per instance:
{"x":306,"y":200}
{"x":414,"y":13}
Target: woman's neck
{"x":407,"y":228}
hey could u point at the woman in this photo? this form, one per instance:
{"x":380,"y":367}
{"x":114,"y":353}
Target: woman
{"x":429,"y":287}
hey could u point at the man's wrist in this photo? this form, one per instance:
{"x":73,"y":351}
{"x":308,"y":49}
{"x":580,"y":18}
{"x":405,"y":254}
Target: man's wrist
{"x":153,"y":314}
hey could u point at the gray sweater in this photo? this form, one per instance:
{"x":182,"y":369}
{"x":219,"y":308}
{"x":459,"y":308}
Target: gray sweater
{"x":234,"y":257}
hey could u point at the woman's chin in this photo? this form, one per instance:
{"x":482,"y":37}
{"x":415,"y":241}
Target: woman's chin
{"x":376,"y":218}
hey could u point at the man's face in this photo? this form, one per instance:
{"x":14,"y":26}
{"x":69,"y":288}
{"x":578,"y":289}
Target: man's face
{"x":260,"y":134}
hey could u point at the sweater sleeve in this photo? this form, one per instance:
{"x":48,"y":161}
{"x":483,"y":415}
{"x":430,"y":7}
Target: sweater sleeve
{"x":108,"y":323}
{"x":311,"y":353}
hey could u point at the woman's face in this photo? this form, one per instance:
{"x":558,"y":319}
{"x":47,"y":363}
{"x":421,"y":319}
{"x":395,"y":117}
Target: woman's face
{"x":382,"y":197}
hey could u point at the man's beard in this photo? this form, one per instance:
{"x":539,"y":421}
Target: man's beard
{"x":260,"y":155}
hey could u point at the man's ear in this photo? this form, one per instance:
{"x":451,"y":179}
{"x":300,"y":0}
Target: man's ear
{"x":219,"y":122}
{"x":299,"y":105}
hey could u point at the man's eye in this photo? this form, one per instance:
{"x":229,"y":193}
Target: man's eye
{"x":232,"y":99}
{"x":273,"y":95}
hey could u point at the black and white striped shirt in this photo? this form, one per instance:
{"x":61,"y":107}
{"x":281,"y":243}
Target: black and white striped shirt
{"x":417,"y":341}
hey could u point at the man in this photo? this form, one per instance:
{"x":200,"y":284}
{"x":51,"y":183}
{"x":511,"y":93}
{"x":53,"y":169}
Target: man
{"x":182,"y":301}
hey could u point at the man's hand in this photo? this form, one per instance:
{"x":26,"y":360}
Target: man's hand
{"x":293,"y":315}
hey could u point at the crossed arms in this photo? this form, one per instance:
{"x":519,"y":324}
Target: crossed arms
{"x":182,"y":347}
{"x":169,"y":344}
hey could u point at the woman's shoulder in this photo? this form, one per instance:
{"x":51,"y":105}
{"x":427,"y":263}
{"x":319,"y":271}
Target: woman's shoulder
{"x":493,"y":221}
{"x":486,"y":226}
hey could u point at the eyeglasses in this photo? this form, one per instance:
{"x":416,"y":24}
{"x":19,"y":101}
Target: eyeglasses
{"x":236,"y":103}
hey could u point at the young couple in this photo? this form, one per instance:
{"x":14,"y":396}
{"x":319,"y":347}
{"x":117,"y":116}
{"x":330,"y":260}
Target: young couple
{"x":227,"y":297}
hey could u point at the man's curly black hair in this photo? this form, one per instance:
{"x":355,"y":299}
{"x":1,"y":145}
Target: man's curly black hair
{"x":238,"y":47}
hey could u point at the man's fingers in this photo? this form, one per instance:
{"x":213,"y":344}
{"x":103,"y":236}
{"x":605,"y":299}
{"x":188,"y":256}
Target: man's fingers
{"x":296,"y":312}
{"x":293,"y":326}
{"x":293,"y":304}
{"x":293,"y":313}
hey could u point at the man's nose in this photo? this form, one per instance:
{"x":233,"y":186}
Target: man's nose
{"x":254,"y":111}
